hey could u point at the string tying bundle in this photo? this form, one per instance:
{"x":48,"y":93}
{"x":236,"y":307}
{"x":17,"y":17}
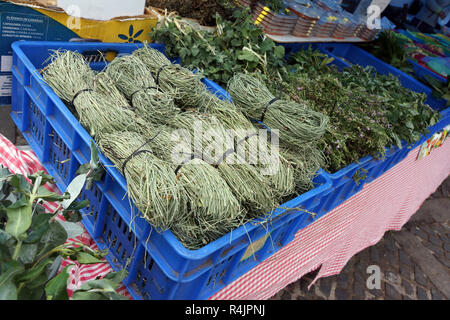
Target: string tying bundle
{"x":296,"y":123}
{"x":152,"y":184}
{"x":186,"y":85}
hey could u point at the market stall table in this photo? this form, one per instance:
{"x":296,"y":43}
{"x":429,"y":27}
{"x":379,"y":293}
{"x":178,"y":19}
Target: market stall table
{"x":385,"y":204}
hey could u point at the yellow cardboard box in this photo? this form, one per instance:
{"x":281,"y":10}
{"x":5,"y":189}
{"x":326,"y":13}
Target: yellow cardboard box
{"x":32,"y":20}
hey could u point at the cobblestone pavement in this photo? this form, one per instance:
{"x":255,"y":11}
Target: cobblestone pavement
{"x":414,"y":262}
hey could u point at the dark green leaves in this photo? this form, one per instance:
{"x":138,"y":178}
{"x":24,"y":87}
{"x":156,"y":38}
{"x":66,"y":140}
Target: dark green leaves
{"x":8,"y":289}
{"x":56,"y":288}
{"x":102,"y":289}
{"x":238,"y":45}
{"x":33,"y":243}
{"x":19,"y":220}
{"x":248,"y":56}
{"x":86,"y":258}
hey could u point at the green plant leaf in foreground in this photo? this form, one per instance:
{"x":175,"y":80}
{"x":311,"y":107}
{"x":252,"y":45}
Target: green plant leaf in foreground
{"x":102,"y":289}
{"x":56,"y":288}
{"x":8,"y":291}
{"x":19,"y":220}
{"x":9,"y":270}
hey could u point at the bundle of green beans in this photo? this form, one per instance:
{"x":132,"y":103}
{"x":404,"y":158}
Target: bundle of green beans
{"x":186,"y":85}
{"x":130,"y":75}
{"x":68,"y":73}
{"x":297,"y":124}
{"x":152,"y":184}
{"x":195,"y":233}
{"x":305,"y":161}
{"x":155,"y":106}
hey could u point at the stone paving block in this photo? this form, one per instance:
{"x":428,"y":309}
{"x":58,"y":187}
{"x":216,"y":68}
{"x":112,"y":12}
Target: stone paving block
{"x":419,"y":277}
{"x":434,"y":249}
{"x":447,"y":245}
{"x":435,"y":240}
{"x":420,"y":233}
{"x":376,"y":292}
{"x":408,"y":288}
{"x":404,"y":257}
{"x":375,"y":255}
{"x":342,"y":280}
{"x":391,"y":277}
{"x":341,"y":294}
{"x":392,"y":292}
{"x":422,"y":294}
{"x":406,"y":272}
{"x":325,"y":286}
{"x":436,"y":295}
{"x":442,"y":231}
{"x":359,"y":290}
{"x":390,"y":243}
{"x":444,"y":261}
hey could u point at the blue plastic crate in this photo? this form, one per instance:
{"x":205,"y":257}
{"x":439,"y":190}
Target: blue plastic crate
{"x":421,"y":71}
{"x":159,"y":266}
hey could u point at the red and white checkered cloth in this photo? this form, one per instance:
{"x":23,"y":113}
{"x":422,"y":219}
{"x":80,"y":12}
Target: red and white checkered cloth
{"x":384,"y":204}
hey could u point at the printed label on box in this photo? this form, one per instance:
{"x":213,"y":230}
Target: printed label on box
{"x":23,"y":26}
{"x":5,"y":86}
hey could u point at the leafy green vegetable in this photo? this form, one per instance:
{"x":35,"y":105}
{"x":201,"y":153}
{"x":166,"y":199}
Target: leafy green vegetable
{"x":33,"y":242}
{"x":237,"y":45}
{"x":368,"y":111}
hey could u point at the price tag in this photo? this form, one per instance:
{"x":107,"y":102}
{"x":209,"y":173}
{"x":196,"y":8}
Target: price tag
{"x":436,"y":141}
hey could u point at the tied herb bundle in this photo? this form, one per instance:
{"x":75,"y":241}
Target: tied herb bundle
{"x":136,"y":82}
{"x":300,"y":127}
{"x":255,"y":145}
{"x":208,"y":195}
{"x":99,"y":105}
{"x":186,"y":85}
{"x":297,"y":124}
{"x":152,"y":184}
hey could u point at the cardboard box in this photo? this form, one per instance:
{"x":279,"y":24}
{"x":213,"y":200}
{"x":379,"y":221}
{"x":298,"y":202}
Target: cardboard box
{"x":31,"y":20}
